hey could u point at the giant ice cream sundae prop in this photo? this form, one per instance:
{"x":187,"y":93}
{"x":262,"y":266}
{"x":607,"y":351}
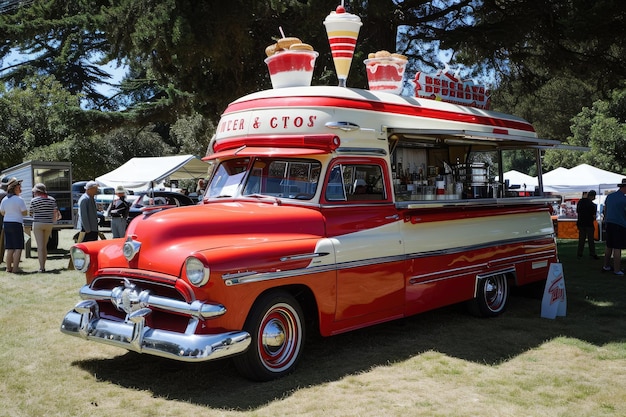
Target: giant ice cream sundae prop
{"x":385,"y":71}
{"x":290,"y":62}
{"x":343,"y":30}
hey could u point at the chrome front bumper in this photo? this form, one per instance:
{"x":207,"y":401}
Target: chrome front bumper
{"x":132,"y":334}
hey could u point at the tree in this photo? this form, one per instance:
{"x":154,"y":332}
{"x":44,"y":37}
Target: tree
{"x":65,"y":39}
{"x":192,"y":134}
{"x":602,"y":128}
{"x":550,"y":58}
{"x":40,"y":113}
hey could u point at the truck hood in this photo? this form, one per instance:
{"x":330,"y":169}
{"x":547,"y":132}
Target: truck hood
{"x":169,"y":236}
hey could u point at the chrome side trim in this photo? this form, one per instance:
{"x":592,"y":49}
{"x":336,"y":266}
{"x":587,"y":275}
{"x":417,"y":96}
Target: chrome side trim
{"x":303,"y":256}
{"x":255,"y":276}
{"x":454,"y":272}
{"x":133,"y":334}
{"x":509,"y":270}
{"x":194,"y":309}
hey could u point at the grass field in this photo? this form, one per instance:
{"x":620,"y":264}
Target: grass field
{"x":440,"y":363}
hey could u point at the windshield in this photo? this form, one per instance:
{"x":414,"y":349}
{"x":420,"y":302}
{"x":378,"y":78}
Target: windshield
{"x":276,"y":177}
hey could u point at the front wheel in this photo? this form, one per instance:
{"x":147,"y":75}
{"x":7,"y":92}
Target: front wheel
{"x":276,"y":325}
{"x":492,"y":296}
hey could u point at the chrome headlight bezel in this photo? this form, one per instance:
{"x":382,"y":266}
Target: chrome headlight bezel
{"x":131,"y":248}
{"x":80,"y":259}
{"x":196,"y":272}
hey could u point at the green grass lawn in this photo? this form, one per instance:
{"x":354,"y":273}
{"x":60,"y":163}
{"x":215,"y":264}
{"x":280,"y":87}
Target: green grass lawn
{"x":440,"y":363}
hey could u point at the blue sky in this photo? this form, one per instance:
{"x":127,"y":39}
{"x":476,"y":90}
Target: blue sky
{"x":116,"y":71}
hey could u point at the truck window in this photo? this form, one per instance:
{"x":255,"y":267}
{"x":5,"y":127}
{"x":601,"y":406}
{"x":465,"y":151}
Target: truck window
{"x":227,"y":178}
{"x":276,"y":177}
{"x":355,"y":182}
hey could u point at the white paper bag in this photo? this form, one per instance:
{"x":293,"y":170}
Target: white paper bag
{"x":554,"y":301}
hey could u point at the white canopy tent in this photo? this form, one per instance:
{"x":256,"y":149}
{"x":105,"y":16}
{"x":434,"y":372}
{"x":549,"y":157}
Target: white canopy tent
{"x":520,"y":180}
{"x":580,"y":179}
{"x":143,"y":173}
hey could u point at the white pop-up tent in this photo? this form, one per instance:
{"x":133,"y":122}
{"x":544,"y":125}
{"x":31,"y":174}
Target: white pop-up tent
{"x":520,"y":180}
{"x":579,"y":179}
{"x":142,"y":173}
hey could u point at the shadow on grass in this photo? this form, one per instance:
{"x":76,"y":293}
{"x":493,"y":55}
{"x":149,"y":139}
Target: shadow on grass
{"x":595,"y":314}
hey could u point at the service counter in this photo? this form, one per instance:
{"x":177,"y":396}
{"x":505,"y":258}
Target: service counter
{"x":448,"y":201}
{"x":566,"y":229}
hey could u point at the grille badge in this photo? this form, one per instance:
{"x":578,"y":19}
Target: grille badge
{"x":129,"y":298}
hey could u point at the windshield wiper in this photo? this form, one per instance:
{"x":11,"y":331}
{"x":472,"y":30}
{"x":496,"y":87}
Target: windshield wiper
{"x":274,"y":199}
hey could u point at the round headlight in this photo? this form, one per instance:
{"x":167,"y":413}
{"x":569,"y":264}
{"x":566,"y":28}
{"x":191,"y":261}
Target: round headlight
{"x":131,"y":248}
{"x":196,"y":272}
{"x":80,"y":259}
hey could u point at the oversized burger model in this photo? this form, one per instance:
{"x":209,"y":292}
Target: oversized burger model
{"x":328,"y":209}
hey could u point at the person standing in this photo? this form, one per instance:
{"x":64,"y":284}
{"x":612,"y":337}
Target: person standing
{"x":88,"y":213}
{"x":118,"y":209}
{"x":615,"y":219}
{"x":44,"y":211}
{"x":587,"y":211}
{"x":200,"y":187}
{"x":13,"y":208}
{"x":3,"y":193}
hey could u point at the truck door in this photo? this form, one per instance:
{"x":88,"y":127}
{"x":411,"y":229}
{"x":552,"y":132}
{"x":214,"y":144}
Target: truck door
{"x":364,"y":225}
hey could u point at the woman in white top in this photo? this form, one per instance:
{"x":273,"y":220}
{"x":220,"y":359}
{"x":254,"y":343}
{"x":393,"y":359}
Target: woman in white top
{"x":13,"y":208}
{"x":44,"y":210}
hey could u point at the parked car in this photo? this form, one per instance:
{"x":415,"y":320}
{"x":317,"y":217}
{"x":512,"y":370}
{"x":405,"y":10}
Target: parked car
{"x":103,"y":200}
{"x":78,"y":189}
{"x":158,"y":198}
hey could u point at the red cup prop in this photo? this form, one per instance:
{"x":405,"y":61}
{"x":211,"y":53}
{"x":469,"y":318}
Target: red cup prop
{"x":291,"y":68}
{"x":385,"y":74}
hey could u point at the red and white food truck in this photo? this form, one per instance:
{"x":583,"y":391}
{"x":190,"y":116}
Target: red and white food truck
{"x":346,"y":207}
{"x":328,"y":209}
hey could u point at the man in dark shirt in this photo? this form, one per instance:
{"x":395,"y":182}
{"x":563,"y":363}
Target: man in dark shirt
{"x":586,"y":210}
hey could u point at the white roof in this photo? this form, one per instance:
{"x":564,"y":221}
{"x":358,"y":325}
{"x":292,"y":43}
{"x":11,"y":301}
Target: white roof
{"x":581,"y":178}
{"x":521,"y":179}
{"x":141,"y":173}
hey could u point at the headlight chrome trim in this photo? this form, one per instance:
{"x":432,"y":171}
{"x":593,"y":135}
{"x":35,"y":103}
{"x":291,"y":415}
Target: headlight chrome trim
{"x":131,"y":248}
{"x":80,"y":259}
{"x":196,"y":271}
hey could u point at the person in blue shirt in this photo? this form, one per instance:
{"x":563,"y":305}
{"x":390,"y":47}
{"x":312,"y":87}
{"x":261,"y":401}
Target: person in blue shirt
{"x":615,"y":220}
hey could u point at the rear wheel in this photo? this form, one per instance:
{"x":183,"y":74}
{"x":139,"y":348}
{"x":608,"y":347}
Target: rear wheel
{"x":492,"y":296}
{"x":276,"y":325}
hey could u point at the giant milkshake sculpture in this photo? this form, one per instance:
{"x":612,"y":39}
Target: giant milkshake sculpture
{"x":343,"y":30}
